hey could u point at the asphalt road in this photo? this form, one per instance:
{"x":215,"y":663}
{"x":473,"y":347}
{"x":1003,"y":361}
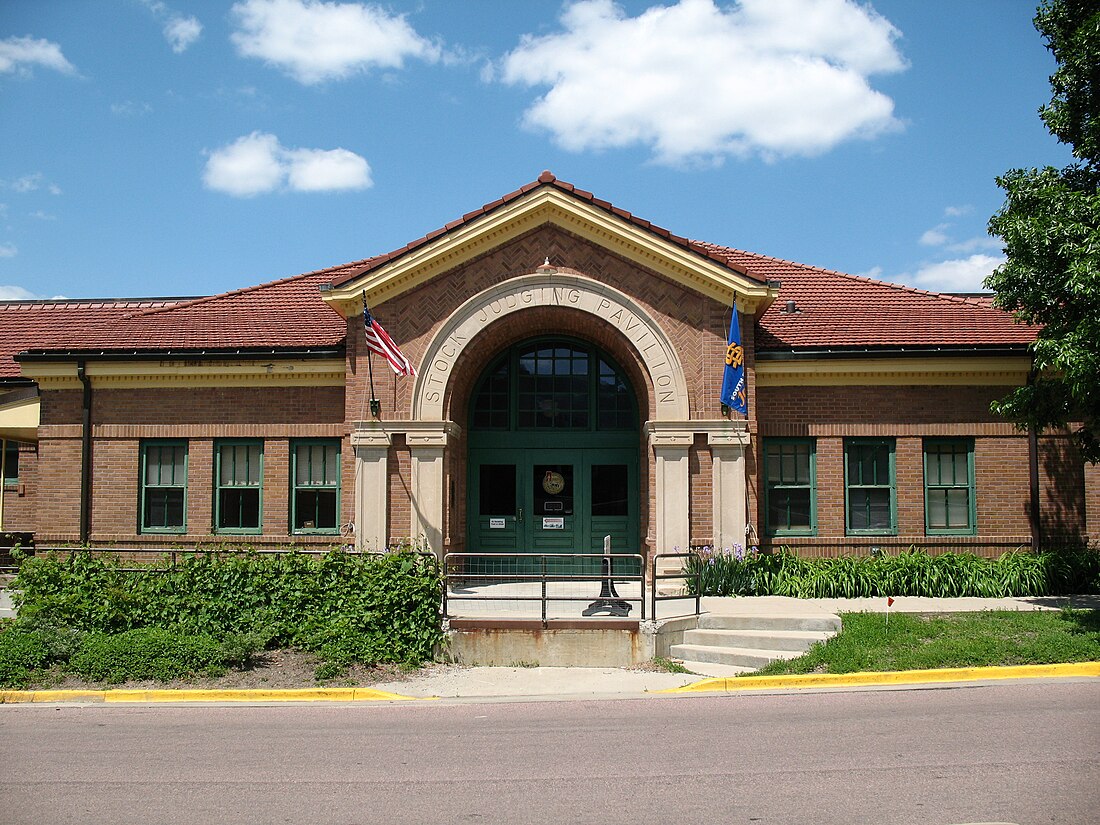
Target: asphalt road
{"x":1021,"y":753}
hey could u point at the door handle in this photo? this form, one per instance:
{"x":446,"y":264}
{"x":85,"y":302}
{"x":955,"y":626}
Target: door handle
{"x":519,"y":517}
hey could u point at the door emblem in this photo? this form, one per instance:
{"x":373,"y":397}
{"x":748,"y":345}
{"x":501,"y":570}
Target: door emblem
{"x":553,"y":483}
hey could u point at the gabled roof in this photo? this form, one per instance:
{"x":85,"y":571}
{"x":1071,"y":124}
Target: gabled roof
{"x":836,"y":311}
{"x":546,"y":179}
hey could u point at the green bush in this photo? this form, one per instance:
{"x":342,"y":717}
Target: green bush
{"x":22,"y":653}
{"x":1059,"y":571}
{"x":365,"y":608}
{"x":147,"y":653}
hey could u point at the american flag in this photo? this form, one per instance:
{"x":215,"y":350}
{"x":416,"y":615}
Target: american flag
{"x":379,"y":341}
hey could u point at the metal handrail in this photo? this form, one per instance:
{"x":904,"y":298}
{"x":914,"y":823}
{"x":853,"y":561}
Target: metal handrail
{"x":543,"y":577}
{"x":682,"y":574}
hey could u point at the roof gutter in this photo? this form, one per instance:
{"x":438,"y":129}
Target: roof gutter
{"x":839,"y":353}
{"x":176,"y":355}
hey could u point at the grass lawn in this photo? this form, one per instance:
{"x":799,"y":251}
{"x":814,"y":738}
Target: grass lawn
{"x":913,"y":642}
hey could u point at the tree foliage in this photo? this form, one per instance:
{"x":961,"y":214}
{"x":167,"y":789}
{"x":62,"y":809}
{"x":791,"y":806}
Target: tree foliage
{"x":1050,"y":225}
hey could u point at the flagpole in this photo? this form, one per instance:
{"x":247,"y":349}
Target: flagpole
{"x":375,"y":404}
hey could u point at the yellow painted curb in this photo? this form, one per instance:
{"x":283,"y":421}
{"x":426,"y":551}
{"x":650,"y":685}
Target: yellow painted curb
{"x":198,"y":695}
{"x":8,"y":697}
{"x":900,"y":677}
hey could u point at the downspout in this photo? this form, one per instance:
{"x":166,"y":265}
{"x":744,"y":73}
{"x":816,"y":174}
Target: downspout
{"x":1033,"y":466}
{"x":3,"y":475}
{"x":85,"y":454}
{"x":1033,"y":474}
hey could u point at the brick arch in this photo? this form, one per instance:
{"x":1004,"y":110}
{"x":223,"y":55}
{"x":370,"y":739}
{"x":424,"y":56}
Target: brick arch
{"x":550,"y":302}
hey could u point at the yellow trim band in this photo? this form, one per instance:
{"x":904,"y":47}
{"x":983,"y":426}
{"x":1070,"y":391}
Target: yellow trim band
{"x":1008,"y":371}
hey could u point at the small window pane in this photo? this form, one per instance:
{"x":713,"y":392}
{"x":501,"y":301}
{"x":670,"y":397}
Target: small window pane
{"x":497,"y":490}
{"x":609,"y":489}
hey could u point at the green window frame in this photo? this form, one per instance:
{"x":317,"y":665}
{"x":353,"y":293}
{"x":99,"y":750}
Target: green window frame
{"x":950,"y":500}
{"x":790,"y":486}
{"x":238,"y":486}
{"x":870,"y":487}
{"x":315,"y":486}
{"x":163,"y":487}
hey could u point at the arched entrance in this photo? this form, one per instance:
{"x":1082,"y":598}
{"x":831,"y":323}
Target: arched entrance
{"x":553,"y":452}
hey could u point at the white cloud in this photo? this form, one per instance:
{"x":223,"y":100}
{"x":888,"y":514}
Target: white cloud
{"x":936,"y":236}
{"x":957,"y":211}
{"x":696,"y":82}
{"x":20,"y":54}
{"x":11,"y":292}
{"x":53,"y":189}
{"x":8,"y":250}
{"x":130,"y":108}
{"x":257,"y":163}
{"x":27,"y":183}
{"x":180,"y":32}
{"x":319,"y":170}
{"x":43,"y":216}
{"x":960,"y":275}
{"x":315,"y":41}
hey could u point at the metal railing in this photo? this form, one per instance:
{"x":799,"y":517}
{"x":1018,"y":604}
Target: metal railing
{"x":545,"y":578}
{"x":681,"y":575}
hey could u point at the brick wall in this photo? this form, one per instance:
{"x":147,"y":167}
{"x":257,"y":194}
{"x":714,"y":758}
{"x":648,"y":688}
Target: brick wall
{"x":20,"y":498}
{"x":123,"y":418}
{"x":907,"y":415}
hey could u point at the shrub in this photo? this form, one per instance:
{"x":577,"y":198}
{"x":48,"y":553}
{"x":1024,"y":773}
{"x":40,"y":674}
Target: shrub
{"x":21,"y":654}
{"x":369,"y":608}
{"x":914,"y":572}
{"x":147,"y":653}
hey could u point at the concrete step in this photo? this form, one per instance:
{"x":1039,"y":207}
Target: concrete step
{"x":719,"y":621}
{"x":752,"y":658}
{"x":797,"y":640}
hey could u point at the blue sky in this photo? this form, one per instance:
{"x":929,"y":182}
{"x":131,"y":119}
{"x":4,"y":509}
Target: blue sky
{"x":184,"y":147}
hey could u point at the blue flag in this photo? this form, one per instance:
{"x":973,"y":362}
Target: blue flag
{"x":734,"y":395}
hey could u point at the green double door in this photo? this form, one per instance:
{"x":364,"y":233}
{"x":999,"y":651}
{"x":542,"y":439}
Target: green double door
{"x":559,"y":501}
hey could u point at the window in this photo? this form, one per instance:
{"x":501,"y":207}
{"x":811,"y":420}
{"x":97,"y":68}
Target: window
{"x":10,"y":460}
{"x":164,"y":487}
{"x":949,"y":487}
{"x":315,"y":498}
{"x":553,"y":385}
{"x":871,"y":500}
{"x":789,"y":489}
{"x":239,"y":474}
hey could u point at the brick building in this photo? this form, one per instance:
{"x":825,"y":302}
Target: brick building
{"x":569,"y":356}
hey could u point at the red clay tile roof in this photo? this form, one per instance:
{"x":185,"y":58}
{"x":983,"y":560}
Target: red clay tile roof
{"x":282,"y":315}
{"x":840,"y":311}
{"x":547,"y":178}
{"x":49,"y":324}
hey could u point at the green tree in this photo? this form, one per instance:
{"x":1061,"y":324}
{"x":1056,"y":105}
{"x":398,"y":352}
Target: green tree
{"x":1050,"y":225}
